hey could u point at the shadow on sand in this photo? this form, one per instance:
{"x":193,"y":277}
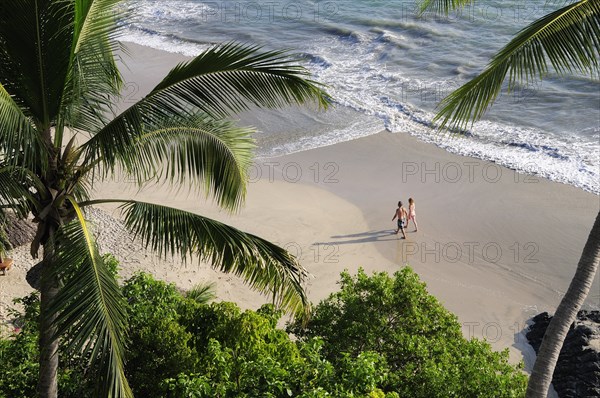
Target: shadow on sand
{"x":362,"y":237}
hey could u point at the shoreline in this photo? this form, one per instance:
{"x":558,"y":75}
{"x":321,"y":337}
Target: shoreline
{"x":492,"y":247}
{"x":337,"y":125}
{"x":332,"y":208}
{"x":485,"y":247}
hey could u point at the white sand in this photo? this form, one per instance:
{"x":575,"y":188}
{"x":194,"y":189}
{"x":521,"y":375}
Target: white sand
{"x":495,"y":247}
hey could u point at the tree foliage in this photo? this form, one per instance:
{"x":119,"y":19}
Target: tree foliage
{"x":566,"y":42}
{"x":421,"y":341}
{"x":378,"y":337}
{"x":61,"y":132}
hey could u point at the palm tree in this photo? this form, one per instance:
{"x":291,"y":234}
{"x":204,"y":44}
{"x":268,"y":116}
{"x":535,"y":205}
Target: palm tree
{"x":59,"y":133}
{"x":566,"y":40}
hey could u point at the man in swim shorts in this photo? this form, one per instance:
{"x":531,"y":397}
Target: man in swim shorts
{"x":401,"y":215}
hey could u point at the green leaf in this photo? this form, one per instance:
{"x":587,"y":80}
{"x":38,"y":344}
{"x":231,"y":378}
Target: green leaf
{"x":15,"y":194}
{"x":19,"y":141}
{"x":34,"y":56}
{"x":95,"y":20}
{"x":567,"y":40}
{"x":202,"y":293}
{"x":225,"y":78}
{"x":94,"y":79}
{"x":187,"y":150}
{"x":222,"y":80}
{"x":442,"y":6}
{"x":264,"y":266}
{"x":89,"y":308}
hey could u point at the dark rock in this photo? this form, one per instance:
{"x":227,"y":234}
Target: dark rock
{"x":577,"y":372}
{"x":537,"y":330}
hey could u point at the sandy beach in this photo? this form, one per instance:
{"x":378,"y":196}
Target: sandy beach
{"x":495,"y":247}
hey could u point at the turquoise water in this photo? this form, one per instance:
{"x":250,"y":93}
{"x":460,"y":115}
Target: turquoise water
{"x":387,"y":67}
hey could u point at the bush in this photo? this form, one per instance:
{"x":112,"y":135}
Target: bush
{"x":240,"y":353}
{"x":421,"y":341}
{"x":158,"y":347}
{"x":378,"y":337}
{"x":19,"y":356}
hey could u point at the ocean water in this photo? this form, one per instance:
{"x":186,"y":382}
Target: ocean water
{"x":387,"y":67}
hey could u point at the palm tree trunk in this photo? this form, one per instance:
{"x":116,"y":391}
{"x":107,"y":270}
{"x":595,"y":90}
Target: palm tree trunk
{"x":565,"y":315}
{"x":47,"y":384}
{"x":48,"y":343}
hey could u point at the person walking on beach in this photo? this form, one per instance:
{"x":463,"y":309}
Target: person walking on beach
{"x":411,"y":213}
{"x":401,"y":215}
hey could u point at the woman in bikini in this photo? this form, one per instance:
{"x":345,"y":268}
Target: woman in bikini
{"x":411,"y":213}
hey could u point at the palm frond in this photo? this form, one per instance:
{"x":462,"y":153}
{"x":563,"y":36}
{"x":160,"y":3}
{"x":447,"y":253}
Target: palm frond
{"x":15,"y":193}
{"x":264,"y":266}
{"x":89,"y":308}
{"x":33,"y":58}
{"x":94,"y":21}
{"x":94,"y":79}
{"x":568,"y":40}
{"x":4,"y":241}
{"x":90,"y":89}
{"x":20,"y":143}
{"x":202,"y":293}
{"x":222,"y":80}
{"x":192,"y":149}
{"x":442,"y":6}
{"x":225,"y":78}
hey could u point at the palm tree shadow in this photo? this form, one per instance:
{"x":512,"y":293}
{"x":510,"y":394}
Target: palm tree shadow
{"x":362,"y":237}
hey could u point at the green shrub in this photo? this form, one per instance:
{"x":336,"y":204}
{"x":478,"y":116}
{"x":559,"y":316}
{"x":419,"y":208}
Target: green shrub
{"x":158,"y":346}
{"x":19,"y":357}
{"x":421,"y":341}
{"x":378,"y":337}
{"x":240,"y":353}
